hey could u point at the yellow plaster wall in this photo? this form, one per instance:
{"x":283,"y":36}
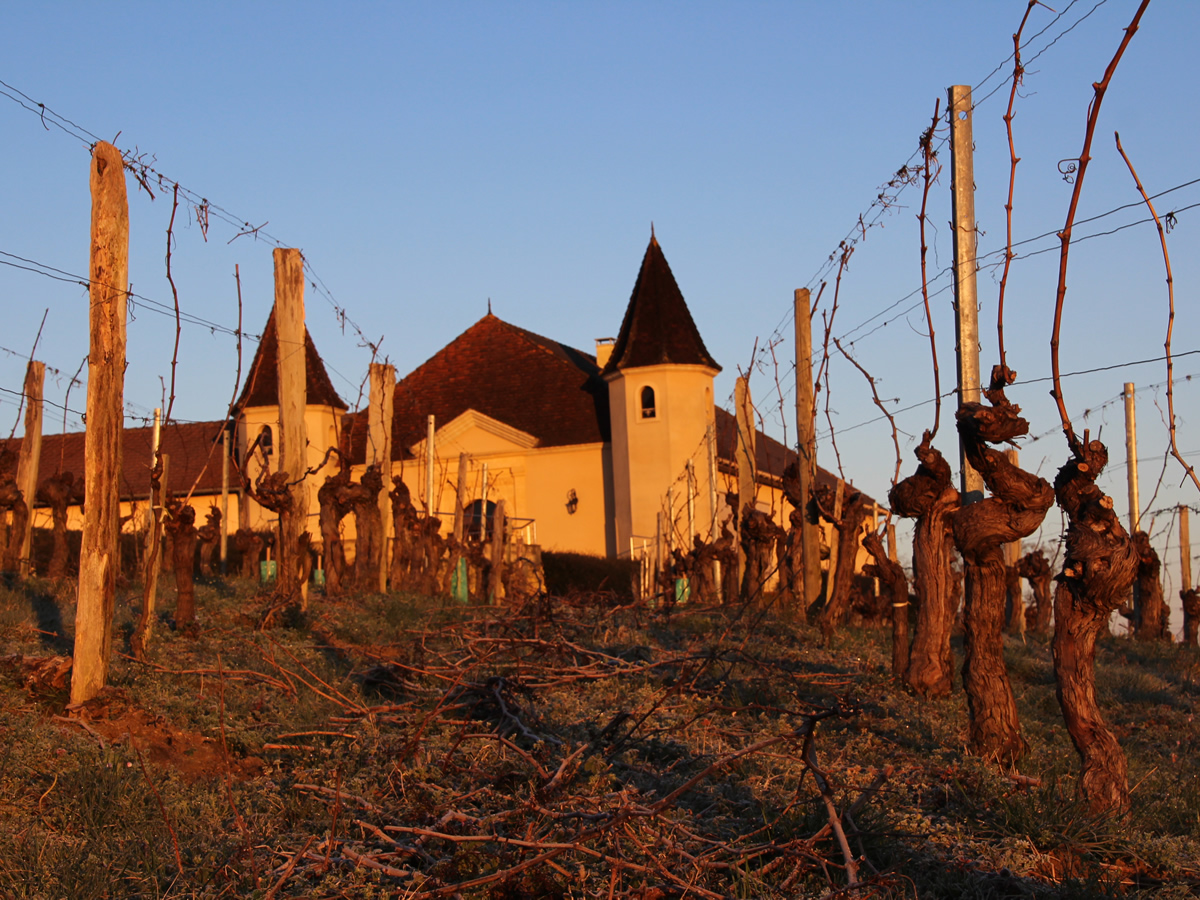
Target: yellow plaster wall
{"x":650,"y":455}
{"x":322,"y":428}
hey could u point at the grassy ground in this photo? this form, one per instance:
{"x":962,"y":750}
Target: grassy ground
{"x":391,"y":747}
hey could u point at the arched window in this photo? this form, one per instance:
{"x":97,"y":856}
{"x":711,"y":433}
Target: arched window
{"x":648,"y":409}
{"x":478,"y":516}
{"x":265,"y":441}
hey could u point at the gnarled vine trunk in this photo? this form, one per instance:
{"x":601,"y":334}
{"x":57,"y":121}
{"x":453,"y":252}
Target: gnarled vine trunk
{"x":894,"y":586}
{"x":928,"y":496}
{"x":1150,"y":609}
{"x":273,"y":492}
{"x":758,"y":535}
{"x":846,"y":528}
{"x":181,"y":529}
{"x":13,"y":500}
{"x":1035,"y":568}
{"x":1098,"y":570}
{"x":405,"y":531}
{"x":1191,"y":616}
{"x":329,"y":518}
{"x":1016,"y":508}
{"x":208,"y":535}
{"x":56,"y":492}
{"x":250,"y":545}
{"x":1014,"y":600}
{"x":368,"y":528}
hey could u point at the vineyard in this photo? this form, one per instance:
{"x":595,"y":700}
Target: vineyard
{"x":889,"y":620}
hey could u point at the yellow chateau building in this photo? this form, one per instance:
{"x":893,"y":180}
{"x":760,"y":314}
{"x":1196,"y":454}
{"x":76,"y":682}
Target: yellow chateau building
{"x":591,"y":453}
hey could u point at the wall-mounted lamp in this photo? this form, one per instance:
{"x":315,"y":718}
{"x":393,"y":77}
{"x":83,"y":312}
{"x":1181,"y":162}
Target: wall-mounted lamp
{"x":572,"y":502}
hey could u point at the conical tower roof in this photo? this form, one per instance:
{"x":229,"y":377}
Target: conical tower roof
{"x":658,"y":328}
{"x":262,"y":379}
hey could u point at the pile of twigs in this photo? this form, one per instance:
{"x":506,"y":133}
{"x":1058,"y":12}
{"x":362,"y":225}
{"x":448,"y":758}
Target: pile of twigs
{"x":509,"y":762}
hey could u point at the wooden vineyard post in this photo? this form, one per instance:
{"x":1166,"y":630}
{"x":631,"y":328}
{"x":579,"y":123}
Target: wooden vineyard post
{"x":710,"y":444}
{"x":460,"y":493}
{"x":31,"y":454}
{"x":108,"y":279}
{"x":224,"y":538}
{"x":807,"y":440}
{"x":745,"y":454}
{"x":966,"y":303}
{"x":156,"y":501}
{"x":379,"y":451}
{"x":459,"y":581}
{"x":1012,"y":557}
{"x":1131,"y":467}
{"x":660,"y":557}
{"x":496,"y":578}
{"x":144,"y":628}
{"x":691,"y":505}
{"x":1185,"y":549}
{"x":1188,"y":596}
{"x":839,"y":498}
{"x":430,"y":460}
{"x":293,"y":442}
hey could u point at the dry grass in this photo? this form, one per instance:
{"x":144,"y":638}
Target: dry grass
{"x":392,"y":747}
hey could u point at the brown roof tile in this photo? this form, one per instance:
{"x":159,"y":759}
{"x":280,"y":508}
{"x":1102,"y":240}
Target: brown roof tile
{"x":188,"y":445}
{"x":522,"y":379}
{"x":658,"y":327}
{"x":771,"y":457}
{"x":262,"y":379}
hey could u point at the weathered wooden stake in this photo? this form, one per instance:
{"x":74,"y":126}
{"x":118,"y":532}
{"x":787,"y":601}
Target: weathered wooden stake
{"x":144,"y":629}
{"x":746,"y":459}
{"x":379,"y":450}
{"x":660,"y":554}
{"x":430,"y":459}
{"x":31,"y":454}
{"x":691,"y":505}
{"x":966,"y":303}
{"x":225,"y":441}
{"x":1185,"y":550}
{"x":496,"y":585}
{"x":714,"y":531}
{"x":108,"y":280}
{"x":293,"y":396}
{"x":1131,"y":466}
{"x":810,"y":538}
{"x":875,"y":528}
{"x":460,"y":497}
{"x":839,"y":497}
{"x":154,"y":531}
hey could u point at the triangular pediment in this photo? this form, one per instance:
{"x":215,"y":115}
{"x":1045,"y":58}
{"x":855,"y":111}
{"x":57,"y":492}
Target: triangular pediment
{"x":478,"y":433}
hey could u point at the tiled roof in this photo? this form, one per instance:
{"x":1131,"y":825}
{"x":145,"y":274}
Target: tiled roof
{"x":188,"y":445}
{"x":658,"y":327}
{"x":529,"y":382}
{"x":771,"y":457}
{"x":262,"y":378}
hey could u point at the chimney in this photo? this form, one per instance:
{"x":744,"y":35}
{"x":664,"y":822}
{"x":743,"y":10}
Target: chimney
{"x":604,"y":349}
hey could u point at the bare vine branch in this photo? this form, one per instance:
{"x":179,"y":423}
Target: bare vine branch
{"x":823,"y":370}
{"x":175,"y":296}
{"x":928,"y":176}
{"x":1007,"y":375}
{"x":1100,"y":88}
{"x":883,"y":409}
{"x":1162,"y":237}
{"x":33,"y":350}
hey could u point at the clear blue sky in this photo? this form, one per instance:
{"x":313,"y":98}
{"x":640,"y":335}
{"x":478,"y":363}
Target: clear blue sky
{"x":428,"y":157}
